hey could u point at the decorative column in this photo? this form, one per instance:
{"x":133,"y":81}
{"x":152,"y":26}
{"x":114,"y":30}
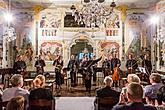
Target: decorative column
{"x":123,"y":10}
{"x":36,"y":9}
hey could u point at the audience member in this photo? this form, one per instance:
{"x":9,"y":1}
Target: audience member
{"x":161,"y":97}
{"x":134,"y":96}
{"x":39,"y":92}
{"x":15,"y":90}
{"x":16,"y":103}
{"x":151,"y":91}
{"x":107,"y":91}
{"x":130,"y":78}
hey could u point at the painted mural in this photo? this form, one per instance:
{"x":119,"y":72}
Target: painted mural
{"x":49,"y":50}
{"x":48,"y":40}
{"x":113,"y":25}
{"x":137,"y":30}
{"x":24,"y":46}
{"x":110,"y":48}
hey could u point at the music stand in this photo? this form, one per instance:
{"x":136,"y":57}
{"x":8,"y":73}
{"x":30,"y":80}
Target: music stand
{"x":142,"y":70}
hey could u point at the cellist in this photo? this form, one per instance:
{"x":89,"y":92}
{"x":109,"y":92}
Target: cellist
{"x":115,"y":64}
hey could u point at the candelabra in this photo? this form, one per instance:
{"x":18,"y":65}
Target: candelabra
{"x":93,"y":13}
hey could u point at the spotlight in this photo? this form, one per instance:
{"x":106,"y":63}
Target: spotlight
{"x":8,"y":17}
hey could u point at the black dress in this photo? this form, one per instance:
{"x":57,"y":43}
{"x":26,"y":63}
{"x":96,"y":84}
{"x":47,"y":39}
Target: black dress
{"x":40,"y":93}
{"x":58,"y":67}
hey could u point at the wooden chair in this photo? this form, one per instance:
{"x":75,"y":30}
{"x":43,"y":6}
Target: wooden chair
{"x":3,"y":105}
{"x":105,"y":103}
{"x":42,"y":104}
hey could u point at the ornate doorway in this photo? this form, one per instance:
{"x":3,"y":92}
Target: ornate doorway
{"x":81,"y":46}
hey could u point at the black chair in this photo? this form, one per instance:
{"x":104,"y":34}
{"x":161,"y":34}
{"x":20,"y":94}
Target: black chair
{"x":3,"y":105}
{"x":41,"y":104}
{"x":105,"y":103}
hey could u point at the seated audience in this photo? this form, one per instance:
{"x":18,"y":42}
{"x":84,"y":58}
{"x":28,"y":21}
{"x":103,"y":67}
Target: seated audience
{"x":131,"y":78}
{"x":161,"y":97}
{"x":151,"y":91}
{"x":107,"y":91}
{"x":39,"y":92}
{"x":16,"y":103}
{"x":15,"y":90}
{"x":134,"y":96}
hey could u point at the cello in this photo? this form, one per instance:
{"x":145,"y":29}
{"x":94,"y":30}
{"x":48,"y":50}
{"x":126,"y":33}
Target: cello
{"x":115,"y":75}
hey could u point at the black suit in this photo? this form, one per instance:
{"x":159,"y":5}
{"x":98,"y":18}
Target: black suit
{"x":107,"y":92}
{"x":72,"y":66}
{"x":19,"y":67}
{"x":134,"y":106}
{"x":39,"y":64}
{"x":86,"y":66}
{"x":131,"y":63}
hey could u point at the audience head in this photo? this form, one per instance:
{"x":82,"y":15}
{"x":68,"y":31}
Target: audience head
{"x":16,"y":103}
{"x":108,"y":81}
{"x":161,"y":94}
{"x":133,"y":78}
{"x":155,"y":78}
{"x":39,"y":81}
{"x":134,"y":92}
{"x":17,"y":80}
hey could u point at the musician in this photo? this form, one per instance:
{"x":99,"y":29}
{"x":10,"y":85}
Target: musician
{"x":19,"y":66}
{"x":58,"y":64}
{"x":40,"y":64}
{"x":131,"y":64}
{"x":94,"y":66}
{"x":87,"y":71}
{"x":146,"y":63}
{"x":115,"y":64}
{"x":106,"y":67}
{"x":72,"y":67}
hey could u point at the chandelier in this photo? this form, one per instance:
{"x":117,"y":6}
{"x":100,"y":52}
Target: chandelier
{"x":93,"y":13}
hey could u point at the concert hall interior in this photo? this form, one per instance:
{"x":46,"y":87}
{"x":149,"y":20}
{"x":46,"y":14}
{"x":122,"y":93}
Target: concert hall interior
{"x":82,"y":54}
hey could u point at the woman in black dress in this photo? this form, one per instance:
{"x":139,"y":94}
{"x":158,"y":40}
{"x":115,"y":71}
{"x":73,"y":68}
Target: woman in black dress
{"x":40,"y":92}
{"x":58,"y":63}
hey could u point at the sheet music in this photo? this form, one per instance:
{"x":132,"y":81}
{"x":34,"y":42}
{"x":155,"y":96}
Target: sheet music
{"x":142,"y":69}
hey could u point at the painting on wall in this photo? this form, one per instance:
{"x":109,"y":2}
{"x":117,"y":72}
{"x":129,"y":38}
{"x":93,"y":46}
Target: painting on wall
{"x":49,"y":25}
{"x":137,"y":34}
{"x":49,"y":50}
{"x":110,"y":48}
{"x":50,"y":20}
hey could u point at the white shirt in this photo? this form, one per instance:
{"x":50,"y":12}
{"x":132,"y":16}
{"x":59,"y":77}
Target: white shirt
{"x":10,"y":93}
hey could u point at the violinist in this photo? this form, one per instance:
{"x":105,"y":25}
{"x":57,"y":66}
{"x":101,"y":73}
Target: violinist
{"x":131,"y":64}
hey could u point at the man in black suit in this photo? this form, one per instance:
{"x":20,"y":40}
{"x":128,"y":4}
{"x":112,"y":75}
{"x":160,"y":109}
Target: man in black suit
{"x":87,"y":71}
{"x":134,"y":95}
{"x":131,"y":64}
{"x":40,"y":64}
{"x":19,"y":66}
{"x":107,"y":92}
{"x":72,"y":67}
